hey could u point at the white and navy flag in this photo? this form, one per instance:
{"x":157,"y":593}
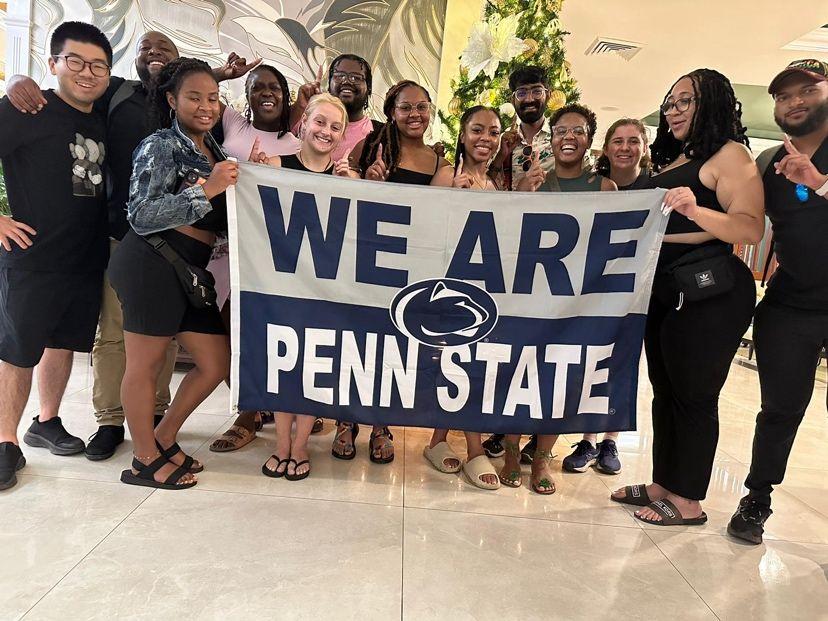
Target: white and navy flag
{"x":407,"y":305}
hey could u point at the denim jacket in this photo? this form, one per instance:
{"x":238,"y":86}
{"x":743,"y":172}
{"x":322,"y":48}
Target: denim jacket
{"x":159,"y":165}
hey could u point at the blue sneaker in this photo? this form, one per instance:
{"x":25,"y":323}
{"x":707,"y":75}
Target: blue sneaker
{"x":581,"y":458}
{"x":608,"y":461}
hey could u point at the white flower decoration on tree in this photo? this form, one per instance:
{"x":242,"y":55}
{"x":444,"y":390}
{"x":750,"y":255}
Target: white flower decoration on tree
{"x":492,"y":43}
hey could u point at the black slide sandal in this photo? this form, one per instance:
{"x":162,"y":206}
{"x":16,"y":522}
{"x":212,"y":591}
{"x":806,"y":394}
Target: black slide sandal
{"x":671,"y":516}
{"x":168,"y":453}
{"x":146,"y":472}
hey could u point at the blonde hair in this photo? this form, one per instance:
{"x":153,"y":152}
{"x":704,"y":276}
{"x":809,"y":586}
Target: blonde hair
{"x":327,"y":98}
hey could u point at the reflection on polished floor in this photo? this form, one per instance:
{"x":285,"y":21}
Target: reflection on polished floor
{"x":358,"y":540}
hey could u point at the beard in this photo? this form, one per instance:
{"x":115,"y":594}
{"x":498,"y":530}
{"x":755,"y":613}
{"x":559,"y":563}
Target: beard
{"x":530,"y":116}
{"x":815,"y":119}
{"x":356,"y":105}
{"x":144,"y":74}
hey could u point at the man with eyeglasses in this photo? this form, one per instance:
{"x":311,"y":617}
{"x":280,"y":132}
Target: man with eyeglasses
{"x":53,"y":247}
{"x":790,"y":327}
{"x":531,"y":137}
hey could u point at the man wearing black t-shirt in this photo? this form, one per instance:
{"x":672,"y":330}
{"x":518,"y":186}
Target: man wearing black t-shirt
{"x":54,"y":244}
{"x":124,"y":106}
{"x":791,"y":323}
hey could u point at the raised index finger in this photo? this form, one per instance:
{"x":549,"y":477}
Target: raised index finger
{"x":379,"y":153}
{"x":459,"y":170}
{"x":319,"y":75}
{"x":789,"y":145}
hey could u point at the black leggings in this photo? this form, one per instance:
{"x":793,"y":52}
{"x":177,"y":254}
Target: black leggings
{"x":788,"y":342}
{"x":689,"y":352}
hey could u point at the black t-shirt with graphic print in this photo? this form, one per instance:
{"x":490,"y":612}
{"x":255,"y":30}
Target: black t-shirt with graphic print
{"x":53,"y":166}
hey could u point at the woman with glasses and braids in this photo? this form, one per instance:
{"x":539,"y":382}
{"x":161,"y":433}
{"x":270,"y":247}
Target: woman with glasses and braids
{"x":394,"y":152}
{"x":266,"y":119}
{"x":715,"y":199}
{"x":477,"y":145}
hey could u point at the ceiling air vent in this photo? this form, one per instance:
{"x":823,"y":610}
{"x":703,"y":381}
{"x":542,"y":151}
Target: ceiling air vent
{"x":814,"y":41}
{"x":602,"y":45}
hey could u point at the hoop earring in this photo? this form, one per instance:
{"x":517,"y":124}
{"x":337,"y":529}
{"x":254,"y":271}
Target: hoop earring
{"x":172,"y":114}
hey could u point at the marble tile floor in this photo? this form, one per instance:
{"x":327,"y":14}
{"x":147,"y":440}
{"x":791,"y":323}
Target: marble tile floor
{"x":402,"y":541}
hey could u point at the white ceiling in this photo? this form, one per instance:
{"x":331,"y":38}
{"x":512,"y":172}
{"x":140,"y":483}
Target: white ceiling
{"x":741,"y":38}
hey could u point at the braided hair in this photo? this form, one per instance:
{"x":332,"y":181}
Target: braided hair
{"x":717,"y":120}
{"x":169,"y":80}
{"x":602,"y":165}
{"x":389,"y":134}
{"x":460,"y":149}
{"x":284,"y":117}
{"x":365,"y":67}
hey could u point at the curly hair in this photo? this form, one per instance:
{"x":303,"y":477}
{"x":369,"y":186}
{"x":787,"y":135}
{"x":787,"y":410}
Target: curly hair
{"x":365,"y":67}
{"x":460,"y":149}
{"x":528,"y":74}
{"x":589,"y":115}
{"x":718,"y":119}
{"x":169,"y":80}
{"x":284,"y":117}
{"x":389,"y":134}
{"x":602,"y":165}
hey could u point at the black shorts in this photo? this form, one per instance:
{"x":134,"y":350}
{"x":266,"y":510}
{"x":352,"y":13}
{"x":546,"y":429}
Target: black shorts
{"x":57,"y":310}
{"x":151,"y":295}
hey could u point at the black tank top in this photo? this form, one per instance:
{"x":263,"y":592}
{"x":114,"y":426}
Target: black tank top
{"x":685,"y":175}
{"x":412,"y":177}
{"x":294,"y":163}
{"x":216,"y":219}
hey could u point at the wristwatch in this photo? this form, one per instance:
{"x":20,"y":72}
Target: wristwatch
{"x":822,"y":190}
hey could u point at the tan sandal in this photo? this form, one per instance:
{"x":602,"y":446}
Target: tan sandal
{"x":476,"y":468}
{"x":233,"y":439}
{"x":439,"y":454}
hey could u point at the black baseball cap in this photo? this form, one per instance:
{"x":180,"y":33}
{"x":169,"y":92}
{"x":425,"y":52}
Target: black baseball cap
{"x":815,"y":69}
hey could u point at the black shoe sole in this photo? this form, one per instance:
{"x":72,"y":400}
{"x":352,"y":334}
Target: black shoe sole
{"x":13,"y":480}
{"x":37,"y":441}
{"x":99,"y":456}
{"x":743,"y":536}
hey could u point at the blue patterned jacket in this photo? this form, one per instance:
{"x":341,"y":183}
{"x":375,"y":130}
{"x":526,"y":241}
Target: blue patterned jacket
{"x":159,"y":165}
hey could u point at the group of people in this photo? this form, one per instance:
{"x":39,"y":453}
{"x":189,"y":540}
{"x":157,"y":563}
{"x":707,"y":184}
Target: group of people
{"x":105,"y":236}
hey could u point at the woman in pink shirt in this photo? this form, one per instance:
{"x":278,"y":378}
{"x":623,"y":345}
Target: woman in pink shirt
{"x":266,"y":118}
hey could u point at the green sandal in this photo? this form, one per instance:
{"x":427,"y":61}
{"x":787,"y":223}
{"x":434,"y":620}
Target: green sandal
{"x":544,"y":486}
{"x":514,"y":478}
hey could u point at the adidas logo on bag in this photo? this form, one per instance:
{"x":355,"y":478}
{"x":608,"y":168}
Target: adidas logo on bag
{"x":705,"y":279}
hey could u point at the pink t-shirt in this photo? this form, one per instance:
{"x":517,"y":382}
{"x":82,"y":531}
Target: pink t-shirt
{"x":354,"y":132}
{"x":239,"y":136}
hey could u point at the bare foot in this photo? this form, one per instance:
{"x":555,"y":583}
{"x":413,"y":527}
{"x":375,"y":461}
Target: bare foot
{"x":541,"y":479}
{"x":654,"y":492}
{"x":163,"y":473}
{"x":510,"y":473}
{"x":298,"y":455}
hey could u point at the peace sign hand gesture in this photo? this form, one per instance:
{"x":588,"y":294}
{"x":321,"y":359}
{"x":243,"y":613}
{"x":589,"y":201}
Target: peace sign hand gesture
{"x":798,"y":168}
{"x":377,"y":171}
{"x":235,"y":67}
{"x":461,"y":179}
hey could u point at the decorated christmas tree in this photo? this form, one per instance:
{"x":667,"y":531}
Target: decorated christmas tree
{"x":511,"y":33}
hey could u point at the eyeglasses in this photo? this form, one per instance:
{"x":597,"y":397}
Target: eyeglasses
{"x":522,"y":94}
{"x":681,"y":105}
{"x":353,"y":78}
{"x":560,"y":131}
{"x":75,"y":64}
{"x":424,"y":107}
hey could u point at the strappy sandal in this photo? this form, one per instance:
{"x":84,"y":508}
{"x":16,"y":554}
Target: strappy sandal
{"x":174,"y":450}
{"x":386,"y":436}
{"x":275,"y":474}
{"x":146,"y":475}
{"x":297,"y":477}
{"x":544,"y":486}
{"x":235,"y":437}
{"x":348,"y":448}
{"x":265,"y":418}
{"x":514,"y":478}
{"x":635,"y":495}
{"x":670,"y":515}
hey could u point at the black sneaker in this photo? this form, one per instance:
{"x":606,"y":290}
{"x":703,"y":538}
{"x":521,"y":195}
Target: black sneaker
{"x":493,"y":447}
{"x":53,"y":436}
{"x":103,"y":442}
{"x":527,"y":453}
{"x":747,"y":523}
{"x":11,"y":460}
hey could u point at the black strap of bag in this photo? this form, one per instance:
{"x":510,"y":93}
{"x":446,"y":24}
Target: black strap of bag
{"x":198,"y":283}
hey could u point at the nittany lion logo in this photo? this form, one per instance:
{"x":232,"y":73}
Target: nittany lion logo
{"x":444,"y":312}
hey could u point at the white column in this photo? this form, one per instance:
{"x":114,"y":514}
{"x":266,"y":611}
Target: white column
{"x":18,"y":37}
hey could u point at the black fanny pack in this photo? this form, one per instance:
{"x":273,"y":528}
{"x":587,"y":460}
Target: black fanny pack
{"x":698,"y":275}
{"x":198,"y":283}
